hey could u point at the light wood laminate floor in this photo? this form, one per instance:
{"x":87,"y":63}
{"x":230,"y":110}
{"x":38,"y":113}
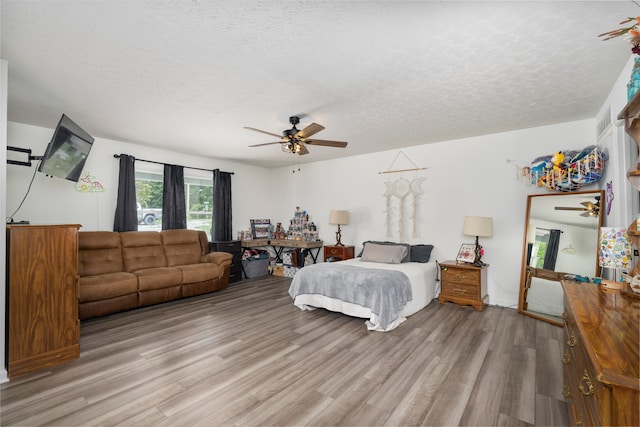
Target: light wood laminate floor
{"x":246,"y":356}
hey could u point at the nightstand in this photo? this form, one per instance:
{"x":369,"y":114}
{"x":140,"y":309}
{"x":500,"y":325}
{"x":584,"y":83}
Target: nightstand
{"x":463,"y":284}
{"x":338,"y":253}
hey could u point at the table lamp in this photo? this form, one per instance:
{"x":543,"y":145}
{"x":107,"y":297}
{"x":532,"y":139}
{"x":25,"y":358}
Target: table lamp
{"x":479,"y":226}
{"x":615,"y":253}
{"x":339,"y":218}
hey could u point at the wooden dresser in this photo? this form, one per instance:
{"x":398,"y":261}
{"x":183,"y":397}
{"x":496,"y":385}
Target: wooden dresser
{"x":42,"y":297}
{"x":464,"y":284}
{"x":600,"y":356}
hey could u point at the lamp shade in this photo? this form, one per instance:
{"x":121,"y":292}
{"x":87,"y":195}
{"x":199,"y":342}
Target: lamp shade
{"x":615,"y":248}
{"x":480,"y":226}
{"x":339,"y":217}
{"x":531,"y":234}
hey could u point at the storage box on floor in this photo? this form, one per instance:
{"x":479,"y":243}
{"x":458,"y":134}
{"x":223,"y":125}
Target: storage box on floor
{"x":255,"y":263}
{"x":290,"y":264}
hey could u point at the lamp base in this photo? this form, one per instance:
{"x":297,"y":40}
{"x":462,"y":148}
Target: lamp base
{"x":338,"y":237}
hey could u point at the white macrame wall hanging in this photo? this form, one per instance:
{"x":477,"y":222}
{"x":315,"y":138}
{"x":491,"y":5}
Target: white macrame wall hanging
{"x":398,"y":191}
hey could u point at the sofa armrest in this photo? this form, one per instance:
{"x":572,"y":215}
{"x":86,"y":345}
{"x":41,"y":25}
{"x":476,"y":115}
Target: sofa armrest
{"x":220,"y":258}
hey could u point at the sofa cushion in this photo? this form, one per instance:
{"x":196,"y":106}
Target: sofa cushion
{"x":194,"y":273}
{"x":99,"y":252}
{"x":142,"y":249}
{"x":181,"y":247}
{"x":108,"y":285}
{"x":158,"y":278}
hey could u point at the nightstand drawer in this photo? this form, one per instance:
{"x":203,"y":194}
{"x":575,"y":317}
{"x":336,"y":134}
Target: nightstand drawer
{"x":338,"y":252}
{"x":456,"y":275}
{"x":465,"y":290}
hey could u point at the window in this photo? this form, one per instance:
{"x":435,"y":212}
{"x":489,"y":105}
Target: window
{"x":539,"y":248}
{"x":199,"y":203}
{"x":199,"y":194}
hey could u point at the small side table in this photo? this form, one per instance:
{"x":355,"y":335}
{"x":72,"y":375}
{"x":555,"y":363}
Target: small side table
{"x":338,"y":253}
{"x":463,"y":284}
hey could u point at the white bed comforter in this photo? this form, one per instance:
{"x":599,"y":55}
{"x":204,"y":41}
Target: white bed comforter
{"x":423,"y":286}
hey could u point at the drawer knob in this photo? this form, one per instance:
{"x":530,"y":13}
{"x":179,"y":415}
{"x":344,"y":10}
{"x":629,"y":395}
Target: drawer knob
{"x":460,"y":291}
{"x":580,"y":423}
{"x":572,"y":341}
{"x":584,"y":385}
{"x":566,"y":358}
{"x":564,"y":315}
{"x":566,"y":392}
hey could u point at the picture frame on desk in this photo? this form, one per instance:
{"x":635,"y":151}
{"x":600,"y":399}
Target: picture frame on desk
{"x":260,"y":228}
{"x":467,"y":253}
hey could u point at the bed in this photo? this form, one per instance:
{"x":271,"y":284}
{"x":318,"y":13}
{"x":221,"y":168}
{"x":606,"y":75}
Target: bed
{"x":384,"y":293}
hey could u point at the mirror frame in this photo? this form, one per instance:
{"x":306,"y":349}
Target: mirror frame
{"x":523,"y":267}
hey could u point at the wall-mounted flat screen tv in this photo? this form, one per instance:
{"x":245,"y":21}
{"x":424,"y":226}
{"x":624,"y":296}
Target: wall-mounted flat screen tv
{"x":67,"y":152}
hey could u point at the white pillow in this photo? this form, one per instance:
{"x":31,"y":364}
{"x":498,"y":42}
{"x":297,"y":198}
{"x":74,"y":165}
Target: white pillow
{"x":545,"y":296}
{"x":387,"y":254}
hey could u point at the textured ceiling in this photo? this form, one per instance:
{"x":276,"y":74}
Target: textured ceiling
{"x":187,"y":75}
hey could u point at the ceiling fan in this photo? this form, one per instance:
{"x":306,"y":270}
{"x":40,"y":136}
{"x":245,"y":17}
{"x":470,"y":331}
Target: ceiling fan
{"x":294,"y":141}
{"x":588,"y":209}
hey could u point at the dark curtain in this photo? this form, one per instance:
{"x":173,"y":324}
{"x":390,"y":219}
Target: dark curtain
{"x":126,"y":218}
{"x":221,"y":222}
{"x":174,"y":212}
{"x":551,"y":254}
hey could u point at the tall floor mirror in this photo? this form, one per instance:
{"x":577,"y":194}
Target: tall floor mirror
{"x":561,"y":237}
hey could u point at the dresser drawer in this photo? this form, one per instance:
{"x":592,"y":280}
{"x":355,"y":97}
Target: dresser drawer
{"x":231,"y":246}
{"x":461,"y":276}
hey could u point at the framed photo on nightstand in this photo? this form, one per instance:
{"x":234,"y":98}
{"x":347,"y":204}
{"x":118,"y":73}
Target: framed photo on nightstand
{"x":467,"y":253}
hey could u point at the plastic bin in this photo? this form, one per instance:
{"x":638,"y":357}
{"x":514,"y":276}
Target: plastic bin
{"x":255,"y":267}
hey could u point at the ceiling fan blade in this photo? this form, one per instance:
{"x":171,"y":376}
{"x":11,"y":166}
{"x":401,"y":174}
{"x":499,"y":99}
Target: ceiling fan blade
{"x":266,"y":143}
{"x":312,"y":129}
{"x":326,"y":143}
{"x":264,"y":131}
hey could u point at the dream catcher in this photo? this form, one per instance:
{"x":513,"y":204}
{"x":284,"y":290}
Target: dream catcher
{"x":400,"y":193}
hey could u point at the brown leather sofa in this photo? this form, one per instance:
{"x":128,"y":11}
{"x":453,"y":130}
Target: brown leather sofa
{"x":122,"y":271}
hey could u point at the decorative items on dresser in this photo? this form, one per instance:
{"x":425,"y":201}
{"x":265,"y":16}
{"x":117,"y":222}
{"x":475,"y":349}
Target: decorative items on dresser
{"x":233,"y":247}
{"x":338,"y":253}
{"x":42,"y":327}
{"x":600,"y":355}
{"x":464,"y":284}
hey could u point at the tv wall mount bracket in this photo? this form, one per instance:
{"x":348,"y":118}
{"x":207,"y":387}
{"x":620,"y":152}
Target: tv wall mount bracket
{"x":27,"y":151}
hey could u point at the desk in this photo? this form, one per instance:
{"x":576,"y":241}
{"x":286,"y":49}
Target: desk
{"x":279,"y":245}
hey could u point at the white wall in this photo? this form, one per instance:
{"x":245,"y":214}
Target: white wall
{"x":54,"y":200}
{"x":3,"y":167}
{"x":464,"y":177}
{"x":622,"y":150}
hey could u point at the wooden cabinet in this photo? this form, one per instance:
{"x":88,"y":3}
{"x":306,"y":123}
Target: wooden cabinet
{"x":463,"y":284}
{"x":338,"y":253}
{"x":43,"y":328}
{"x":233,"y":247}
{"x":600,"y":355}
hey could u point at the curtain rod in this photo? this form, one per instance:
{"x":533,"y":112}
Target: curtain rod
{"x":117,"y":156}
{"x":547,"y":229}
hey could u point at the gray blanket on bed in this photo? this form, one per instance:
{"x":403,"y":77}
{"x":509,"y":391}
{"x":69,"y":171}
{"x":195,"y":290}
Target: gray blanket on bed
{"x":385,"y":292}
